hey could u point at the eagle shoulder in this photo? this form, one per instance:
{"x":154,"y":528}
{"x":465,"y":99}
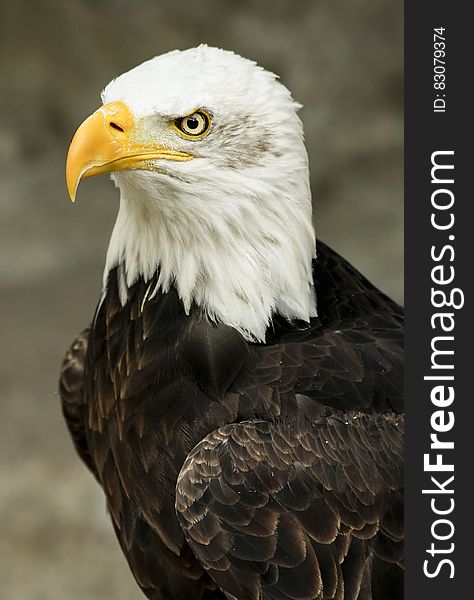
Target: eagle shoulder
{"x":71,"y":391}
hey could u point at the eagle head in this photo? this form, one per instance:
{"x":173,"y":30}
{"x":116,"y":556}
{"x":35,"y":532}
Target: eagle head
{"x":207,"y":151}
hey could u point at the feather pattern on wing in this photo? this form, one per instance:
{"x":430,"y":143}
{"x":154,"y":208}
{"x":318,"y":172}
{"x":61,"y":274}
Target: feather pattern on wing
{"x":262,"y":504}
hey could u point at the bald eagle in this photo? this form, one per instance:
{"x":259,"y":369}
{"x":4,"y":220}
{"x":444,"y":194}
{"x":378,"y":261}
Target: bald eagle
{"x":238,"y":394}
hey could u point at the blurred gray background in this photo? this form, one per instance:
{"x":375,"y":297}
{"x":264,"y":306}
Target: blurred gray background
{"x":341,"y":59}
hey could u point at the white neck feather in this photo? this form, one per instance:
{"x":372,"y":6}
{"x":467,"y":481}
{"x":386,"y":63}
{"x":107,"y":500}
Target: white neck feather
{"x":241,"y":250}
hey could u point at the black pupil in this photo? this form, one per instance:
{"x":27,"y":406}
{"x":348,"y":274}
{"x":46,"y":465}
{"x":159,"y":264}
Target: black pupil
{"x":192,"y":122}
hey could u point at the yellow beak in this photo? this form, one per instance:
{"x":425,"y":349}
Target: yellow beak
{"x":104,"y":143}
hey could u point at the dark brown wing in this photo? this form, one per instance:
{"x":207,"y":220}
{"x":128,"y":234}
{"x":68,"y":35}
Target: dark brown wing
{"x":298,"y":510}
{"x":71,"y":390}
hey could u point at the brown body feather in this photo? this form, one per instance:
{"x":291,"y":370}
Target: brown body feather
{"x":250,"y":471}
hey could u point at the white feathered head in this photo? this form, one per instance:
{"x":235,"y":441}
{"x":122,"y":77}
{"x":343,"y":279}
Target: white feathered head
{"x":207,"y":150}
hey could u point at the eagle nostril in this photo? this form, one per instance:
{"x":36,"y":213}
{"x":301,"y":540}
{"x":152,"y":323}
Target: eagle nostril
{"x":115,"y":126}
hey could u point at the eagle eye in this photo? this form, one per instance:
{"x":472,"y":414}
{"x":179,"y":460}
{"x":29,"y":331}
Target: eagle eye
{"x":194,"y":125}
